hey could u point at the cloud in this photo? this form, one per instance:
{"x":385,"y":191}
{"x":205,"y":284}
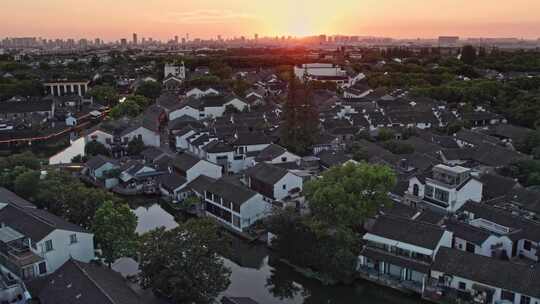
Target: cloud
{"x":209,"y":16}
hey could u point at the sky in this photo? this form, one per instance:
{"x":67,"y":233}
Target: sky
{"x":163,"y":19}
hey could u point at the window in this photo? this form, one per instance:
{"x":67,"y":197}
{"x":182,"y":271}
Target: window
{"x":507,"y":295}
{"x":441,"y":195}
{"x":428,"y":191}
{"x":525,"y":300}
{"x":284,"y":159}
{"x":527,"y":245}
{"x":462,"y":286}
{"x":469,"y":247}
{"x":284,"y":186}
{"x":42,"y":268}
{"x":73,"y":239}
{"x":48,"y":246}
{"x":236,"y":221}
{"x":416,"y":190}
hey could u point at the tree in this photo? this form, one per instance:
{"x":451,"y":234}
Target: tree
{"x":104,"y":94}
{"x":300,"y":129}
{"x":149,"y":89}
{"x":114,"y":228}
{"x":25,"y":184}
{"x":94,"y":148}
{"x":385,"y":134}
{"x":468,"y":54}
{"x":220,"y":69}
{"x":347,"y":195}
{"x":135,"y":146}
{"x":332,"y":253}
{"x":183,"y":264}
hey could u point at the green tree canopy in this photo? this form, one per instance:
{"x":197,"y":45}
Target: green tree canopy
{"x":301,"y":119}
{"x":183,"y":264}
{"x":114,"y":228}
{"x":346,"y":195}
{"x":468,"y":54}
{"x":135,"y":146}
{"x":149,"y":89}
{"x":104,"y":94}
{"x":94,"y":148}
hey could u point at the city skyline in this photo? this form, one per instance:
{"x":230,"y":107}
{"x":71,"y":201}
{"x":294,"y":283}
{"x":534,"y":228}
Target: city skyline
{"x":164,"y":19}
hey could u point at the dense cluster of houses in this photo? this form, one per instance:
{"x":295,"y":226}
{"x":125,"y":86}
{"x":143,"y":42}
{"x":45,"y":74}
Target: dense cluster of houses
{"x":456,"y":229}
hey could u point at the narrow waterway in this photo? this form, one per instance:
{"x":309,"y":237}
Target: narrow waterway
{"x":260,"y":276}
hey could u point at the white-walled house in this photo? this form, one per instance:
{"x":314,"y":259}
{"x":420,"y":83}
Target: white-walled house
{"x":234,"y":205}
{"x":518,"y":236}
{"x":273,"y":182}
{"x":208,"y":106}
{"x":35,"y":242}
{"x":483,"y":279}
{"x":191,"y":167}
{"x":400,"y":251}
{"x":149,"y":137}
{"x":200,"y":92}
{"x":276,"y":154}
{"x":97,"y":168}
{"x":446,"y":189}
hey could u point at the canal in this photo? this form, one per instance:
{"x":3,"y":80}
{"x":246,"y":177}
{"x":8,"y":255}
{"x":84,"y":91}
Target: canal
{"x":262,"y":277}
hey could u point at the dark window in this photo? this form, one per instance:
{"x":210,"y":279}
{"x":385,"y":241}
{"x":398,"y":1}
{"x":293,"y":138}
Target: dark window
{"x":469,"y":247}
{"x":525,"y":300}
{"x":284,"y":159}
{"x":415,"y":190}
{"x":507,"y":295}
{"x":429,"y":191}
{"x":48,"y":246}
{"x":527,"y":245}
{"x":441,"y":195}
{"x":462,"y":286}
{"x":42,"y":268}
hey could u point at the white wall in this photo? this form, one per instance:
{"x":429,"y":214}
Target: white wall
{"x":254,"y":209}
{"x":62,"y":251}
{"x":203,"y":168}
{"x":186,"y":110}
{"x":290,"y":181}
{"x":149,"y":137}
{"x":181,"y":141}
{"x":287,"y":157}
{"x":100,"y":137}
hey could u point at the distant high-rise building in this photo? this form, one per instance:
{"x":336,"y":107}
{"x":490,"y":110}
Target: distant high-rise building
{"x":448,"y":40}
{"x":176,"y":39}
{"x":97,"y":41}
{"x":256,"y":37}
{"x":135,"y":41}
{"x":123,"y":42}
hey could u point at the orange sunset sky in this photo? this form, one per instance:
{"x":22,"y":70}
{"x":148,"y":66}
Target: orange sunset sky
{"x":162,"y":19}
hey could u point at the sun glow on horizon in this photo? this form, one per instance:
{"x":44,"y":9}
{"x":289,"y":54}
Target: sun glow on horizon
{"x":164,"y":19}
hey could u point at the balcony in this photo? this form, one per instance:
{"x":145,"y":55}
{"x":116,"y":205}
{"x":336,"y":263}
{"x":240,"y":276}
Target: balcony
{"x":389,"y":280}
{"x":16,"y":255}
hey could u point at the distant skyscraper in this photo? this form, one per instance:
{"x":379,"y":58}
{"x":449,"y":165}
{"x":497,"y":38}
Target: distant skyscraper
{"x":448,"y":40}
{"x":176,"y":39}
{"x":97,"y":41}
{"x":135,"y":41}
{"x":256,"y":37}
{"x":123,"y":42}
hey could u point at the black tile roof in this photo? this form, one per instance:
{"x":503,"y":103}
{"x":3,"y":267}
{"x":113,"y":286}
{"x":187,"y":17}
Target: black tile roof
{"x":408,"y":231}
{"x":266,"y":173}
{"x":29,"y":220}
{"x":490,"y":271}
{"x":185,"y":161}
{"x":78,"y":282}
{"x":270,"y":152}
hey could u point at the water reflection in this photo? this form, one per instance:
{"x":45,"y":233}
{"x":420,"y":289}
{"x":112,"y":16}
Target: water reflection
{"x":257,"y":274}
{"x":153,"y":217}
